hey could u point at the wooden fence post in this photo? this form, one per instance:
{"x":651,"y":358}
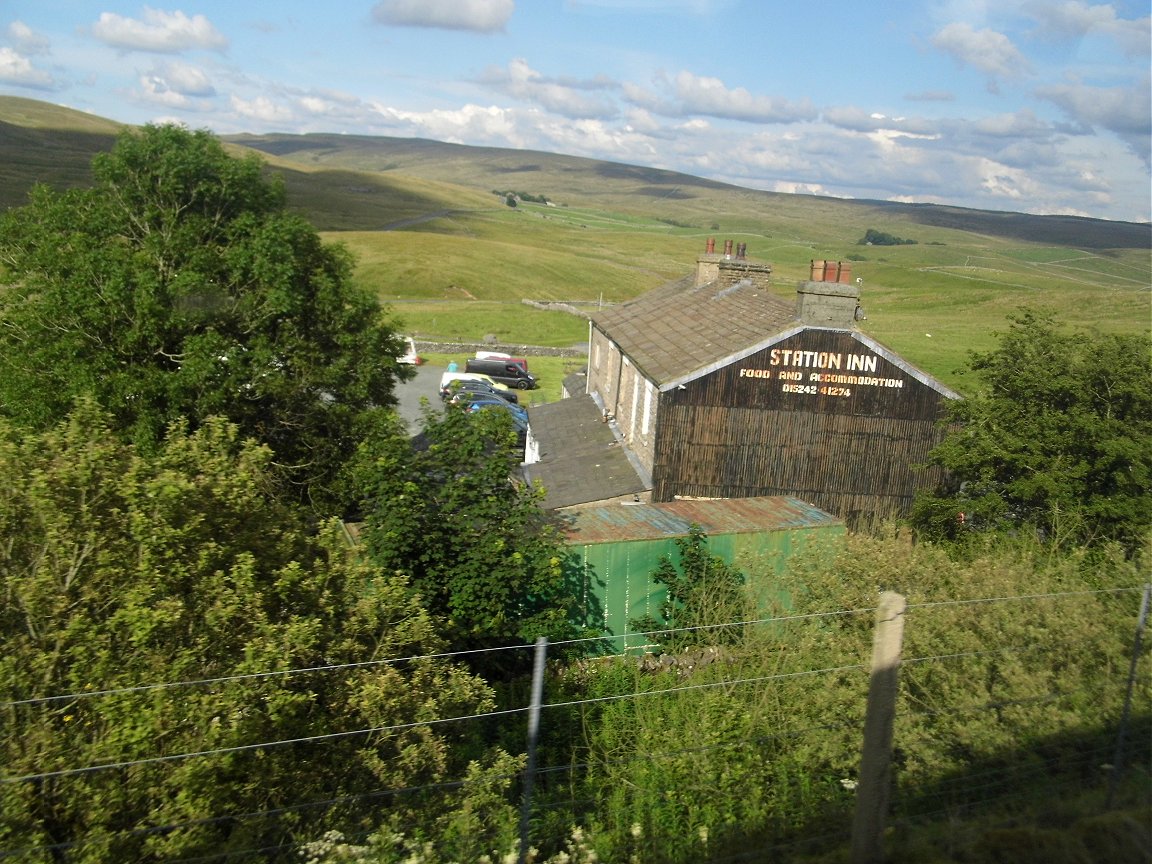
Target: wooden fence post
{"x":1122,"y":732}
{"x":876,"y":752}
{"x":533,"y":732}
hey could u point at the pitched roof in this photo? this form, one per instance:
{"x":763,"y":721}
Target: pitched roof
{"x":677,"y":329}
{"x":581,"y":460}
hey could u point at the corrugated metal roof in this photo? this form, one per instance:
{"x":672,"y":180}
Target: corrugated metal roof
{"x":623,"y":522}
{"x":676,"y":329}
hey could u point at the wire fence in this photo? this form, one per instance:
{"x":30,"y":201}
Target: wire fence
{"x":937,"y":771}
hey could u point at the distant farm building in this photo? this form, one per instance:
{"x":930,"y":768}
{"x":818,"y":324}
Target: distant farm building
{"x":713,"y":387}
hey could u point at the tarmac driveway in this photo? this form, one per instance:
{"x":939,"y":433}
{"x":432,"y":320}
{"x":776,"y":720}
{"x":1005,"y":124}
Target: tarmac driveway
{"x":426,"y":385}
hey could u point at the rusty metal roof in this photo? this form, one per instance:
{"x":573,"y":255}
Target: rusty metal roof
{"x":677,"y":329}
{"x":616,"y":523}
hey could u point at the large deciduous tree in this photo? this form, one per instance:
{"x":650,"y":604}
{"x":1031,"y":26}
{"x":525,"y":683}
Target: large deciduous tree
{"x":1055,"y":438}
{"x":180,"y":286}
{"x":149,"y":604}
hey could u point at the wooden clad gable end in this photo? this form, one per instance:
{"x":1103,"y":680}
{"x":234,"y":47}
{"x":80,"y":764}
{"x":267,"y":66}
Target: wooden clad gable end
{"x":722,"y":389}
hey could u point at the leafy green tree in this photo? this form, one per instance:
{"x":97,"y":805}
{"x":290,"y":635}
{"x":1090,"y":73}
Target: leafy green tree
{"x":124,"y":575}
{"x":703,"y":591}
{"x":872,"y":237}
{"x":1055,"y":438}
{"x":180,"y":286}
{"x":476,"y":546}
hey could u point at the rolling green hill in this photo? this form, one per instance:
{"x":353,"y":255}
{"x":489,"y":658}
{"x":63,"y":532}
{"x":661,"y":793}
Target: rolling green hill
{"x":434,"y":236}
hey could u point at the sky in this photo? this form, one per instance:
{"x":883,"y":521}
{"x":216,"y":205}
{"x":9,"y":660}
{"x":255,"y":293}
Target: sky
{"x":1033,"y":106}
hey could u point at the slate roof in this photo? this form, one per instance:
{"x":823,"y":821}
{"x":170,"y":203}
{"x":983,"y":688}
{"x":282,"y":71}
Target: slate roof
{"x":677,"y":329}
{"x":580,"y":460}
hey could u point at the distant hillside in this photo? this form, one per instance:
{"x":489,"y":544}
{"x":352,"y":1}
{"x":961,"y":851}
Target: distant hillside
{"x":349,"y":182}
{"x":632,"y":188}
{"x":42,"y":143}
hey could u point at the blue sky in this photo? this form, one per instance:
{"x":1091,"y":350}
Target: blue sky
{"x":1037,"y":106}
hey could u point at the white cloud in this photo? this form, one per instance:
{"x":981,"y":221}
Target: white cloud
{"x":471,"y":124}
{"x":1124,"y":111}
{"x":184,"y":78}
{"x":26,"y":40}
{"x":1076,"y":19}
{"x":158,"y":32}
{"x":331,"y":105}
{"x":155,"y":90}
{"x":855,"y":119}
{"x":693,"y":95}
{"x":484,"y":16}
{"x":931,"y":96}
{"x":987,"y":50}
{"x":1019,"y":125}
{"x":569,"y":98}
{"x":18,"y":70}
{"x":711,"y":98}
{"x":261,"y":109}
{"x":660,"y":7}
{"x":648,"y":100}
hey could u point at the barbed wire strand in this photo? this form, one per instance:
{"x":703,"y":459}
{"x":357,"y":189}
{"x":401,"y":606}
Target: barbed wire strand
{"x":334,"y":667}
{"x":432,"y":722}
{"x":445,"y":655}
{"x":1017,"y":771}
{"x":311,"y":739}
{"x":1050,"y":595}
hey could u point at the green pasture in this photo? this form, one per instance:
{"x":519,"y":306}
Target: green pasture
{"x":464,"y":276}
{"x":511,"y":323}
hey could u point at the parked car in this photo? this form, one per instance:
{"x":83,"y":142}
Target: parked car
{"x":464,"y":385}
{"x":409,"y":357}
{"x":448,"y":377}
{"x":497,"y":355}
{"x":504,"y":371}
{"x":516,"y":414}
{"x":479,"y":401}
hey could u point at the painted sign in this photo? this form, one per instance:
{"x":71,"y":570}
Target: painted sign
{"x":823,"y":373}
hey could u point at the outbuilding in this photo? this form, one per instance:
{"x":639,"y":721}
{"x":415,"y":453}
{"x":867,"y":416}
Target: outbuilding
{"x":616,"y":549}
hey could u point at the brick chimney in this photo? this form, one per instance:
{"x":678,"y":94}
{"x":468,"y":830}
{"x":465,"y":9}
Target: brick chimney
{"x":829,"y":298}
{"x":729,"y":268}
{"x":708,"y":264}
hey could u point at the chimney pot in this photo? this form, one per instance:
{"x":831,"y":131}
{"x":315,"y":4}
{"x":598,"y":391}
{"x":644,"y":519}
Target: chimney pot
{"x":816,"y":271}
{"x":710,"y":246}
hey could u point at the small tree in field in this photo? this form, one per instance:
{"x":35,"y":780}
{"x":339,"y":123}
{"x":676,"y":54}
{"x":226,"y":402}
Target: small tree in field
{"x":703,"y":591}
{"x":179,"y":286}
{"x":1056,"y":439}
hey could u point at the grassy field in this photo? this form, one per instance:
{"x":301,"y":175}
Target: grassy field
{"x":434,"y":239}
{"x":465,"y":276}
